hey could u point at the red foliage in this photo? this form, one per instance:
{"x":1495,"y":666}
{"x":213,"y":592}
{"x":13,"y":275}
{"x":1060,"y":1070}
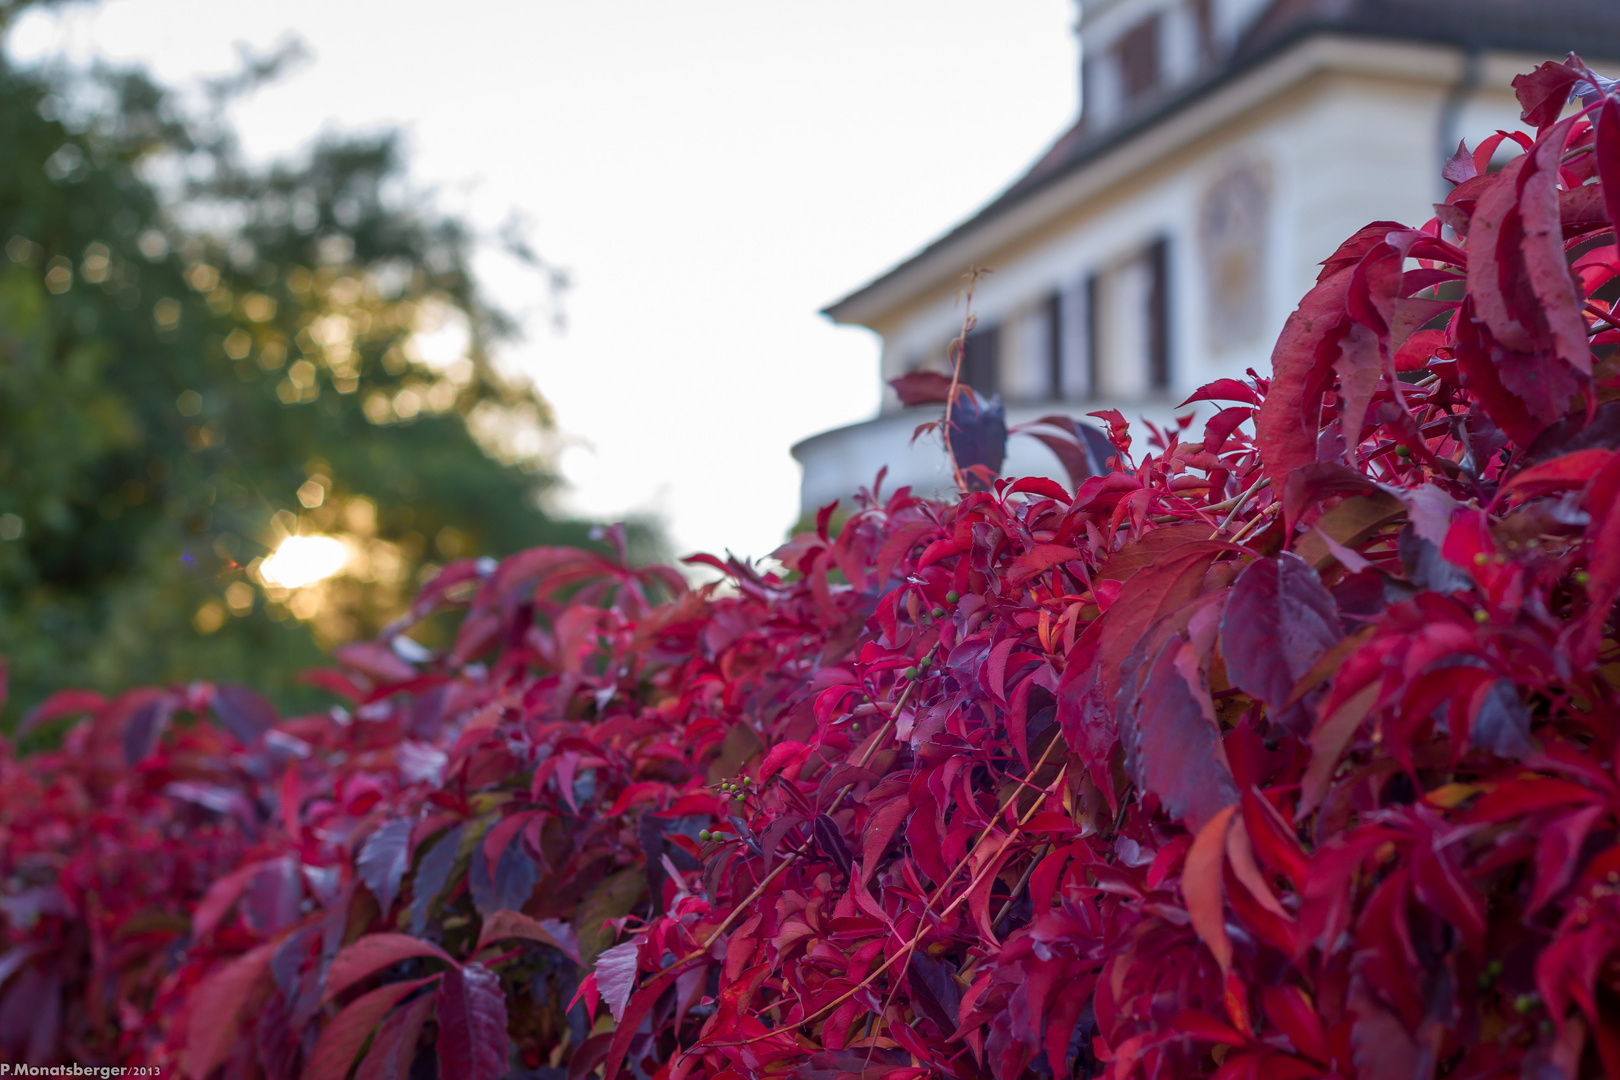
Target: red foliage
{"x":1279,"y":756}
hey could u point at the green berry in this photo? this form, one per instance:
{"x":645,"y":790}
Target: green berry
{"x":952,"y":597}
{"x":739,"y":796}
{"x":1479,"y":559}
{"x":911,"y":672}
{"x":705,"y":835}
{"x":1582,"y":577}
{"x":939,"y":613}
{"x":1480,"y":616}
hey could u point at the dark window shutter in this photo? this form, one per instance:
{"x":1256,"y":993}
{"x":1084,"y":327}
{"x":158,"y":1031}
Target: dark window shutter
{"x":981,"y":360}
{"x":1093,"y":334}
{"x":1139,"y":59}
{"x":1159,"y":315}
{"x":1054,"y":346}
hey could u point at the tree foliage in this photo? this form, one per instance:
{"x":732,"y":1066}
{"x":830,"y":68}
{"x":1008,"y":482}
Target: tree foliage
{"x":199,"y":357}
{"x":1270,"y":755}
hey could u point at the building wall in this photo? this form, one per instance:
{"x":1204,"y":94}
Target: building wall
{"x":1269,"y":192}
{"x":1343,"y":152}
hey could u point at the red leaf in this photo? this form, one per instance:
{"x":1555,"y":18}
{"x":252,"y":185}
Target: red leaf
{"x":60,"y":704}
{"x":880,"y":829}
{"x":342,"y":1038}
{"x":1222,"y":424}
{"x":1572,"y":470}
{"x":1603,"y":558}
{"x":1202,"y":888}
{"x":1568,"y":967}
{"x":922,"y":388}
{"x":473,"y":1044}
{"x":1521,"y":797}
{"x":1607,"y":148}
{"x":218,"y":1007}
{"x":1224,"y":390}
{"x":515,"y":924}
{"x":639,"y":1006}
{"x":785,"y":757}
{"x":1274,"y":842}
{"x":1038,"y":560}
{"x":393,"y":1051}
{"x":1558,"y":852}
{"x":1520,"y":284}
{"x":371,"y":954}
{"x":218,"y":899}
{"x":1038,"y":485}
{"x":1288,"y":421}
{"x":995,"y":668}
{"x":1544,"y":92}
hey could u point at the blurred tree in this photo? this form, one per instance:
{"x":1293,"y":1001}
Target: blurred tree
{"x":200,"y":359}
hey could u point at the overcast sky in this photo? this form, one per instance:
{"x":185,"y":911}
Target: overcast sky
{"x":710,"y":172}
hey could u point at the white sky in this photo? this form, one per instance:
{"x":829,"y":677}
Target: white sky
{"x":710,"y":172}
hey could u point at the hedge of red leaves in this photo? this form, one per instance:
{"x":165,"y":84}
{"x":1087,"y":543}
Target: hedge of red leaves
{"x":1270,"y":757}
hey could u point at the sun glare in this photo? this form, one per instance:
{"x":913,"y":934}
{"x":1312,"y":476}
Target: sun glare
{"x":303,"y":560}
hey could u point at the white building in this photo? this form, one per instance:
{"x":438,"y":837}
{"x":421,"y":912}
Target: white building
{"x":1224,"y":148}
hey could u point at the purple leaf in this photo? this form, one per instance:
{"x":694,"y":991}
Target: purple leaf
{"x":977,"y":433}
{"x":616,"y":975}
{"x":831,"y":842}
{"x":1278,"y":622}
{"x":246,"y":714}
{"x":383,"y":860}
{"x":144,"y":727}
{"x":431,"y":876}
{"x":270,"y":902}
{"x":514,"y":879}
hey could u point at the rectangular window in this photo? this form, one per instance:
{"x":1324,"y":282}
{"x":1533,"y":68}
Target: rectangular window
{"x":1138,"y":52}
{"x":1128,"y":326}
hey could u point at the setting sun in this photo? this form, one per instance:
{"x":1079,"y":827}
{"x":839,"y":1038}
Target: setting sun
{"x":303,"y":560}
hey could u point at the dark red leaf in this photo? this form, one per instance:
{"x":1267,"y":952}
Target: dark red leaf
{"x":342,"y":1037}
{"x":1544,"y":92}
{"x":922,"y":388}
{"x":219,"y":1007}
{"x":471,"y":1011}
{"x":1172,"y":742}
{"x":374,"y":952}
{"x":1202,"y":889}
{"x":1278,"y":623}
{"x":394,"y":1049}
